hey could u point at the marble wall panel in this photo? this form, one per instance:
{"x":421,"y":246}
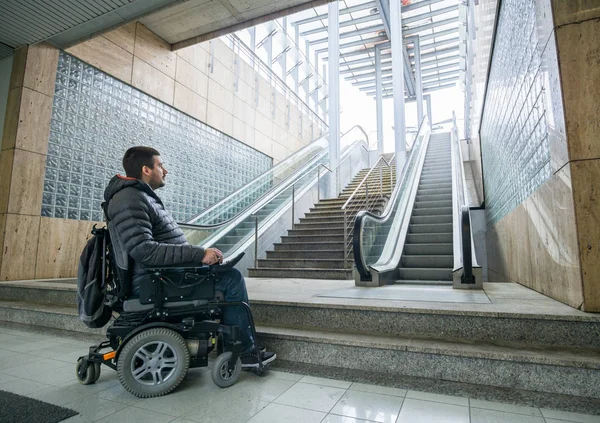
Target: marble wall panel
{"x":196,"y":56}
{"x":152,"y":81}
{"x":571,"y":11}
{"x":155,"y":51}
{"x":34,"y":121}
{"x":264,"y":124}
{"x":2,"y":233}
{"x":219,"y":118}
{"x":192,"y":78}
{"x":27,"y":183}
{"x":586,"y":196}
{"x":20,"y":247}
{"x":39,"y":70}
{"x":6,"y":166}
{"x":60,"y":244}
{"x":223,"y":54}
{"x":221,"y":96}
{"x":190,"y":102}
{"x":17,"y":74}
{"x":223,"y":76}
{"x":244,"y":112}
{"x":123,"y":36}
{"x":580,"y":70}
{"x":11,"y":118}
{"x":106,"y":56}
{"x":245,"y":93}
{"x":263,"y":143}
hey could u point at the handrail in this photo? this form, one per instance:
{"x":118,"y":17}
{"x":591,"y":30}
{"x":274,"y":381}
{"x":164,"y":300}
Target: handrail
{"x":262,"y":175}
{"x":368,"y":203}
{"x":463,"y":248}
{"x":359,"y":255}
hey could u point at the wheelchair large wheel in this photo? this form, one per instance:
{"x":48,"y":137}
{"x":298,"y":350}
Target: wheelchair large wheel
{"x":153,"y":363}
{"x":221,"y":375}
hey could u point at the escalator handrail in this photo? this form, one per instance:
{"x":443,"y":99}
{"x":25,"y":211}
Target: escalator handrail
{"x":461,"y":219}
{"x":361,"y":216}
{"x":269,"y":195}
{"x":262,"y":175}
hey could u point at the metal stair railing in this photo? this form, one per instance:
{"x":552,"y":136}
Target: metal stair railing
{"x":465,"y":262}
{"x":354,"y":204}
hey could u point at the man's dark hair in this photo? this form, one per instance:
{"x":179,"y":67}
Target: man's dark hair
{"x":136,"y":158}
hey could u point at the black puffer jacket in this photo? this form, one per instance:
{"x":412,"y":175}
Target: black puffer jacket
{"x":143,"y":230}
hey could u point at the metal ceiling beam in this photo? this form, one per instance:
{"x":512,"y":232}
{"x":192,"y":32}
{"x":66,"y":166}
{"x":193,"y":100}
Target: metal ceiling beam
{"x":388,"y":62}
{"x":387,"y":74}
{"x":440,"y":76}
{"x":419,"y":4}
{"x":368,"y":18}
{"x":417,"y":29}
{"x":357,"y":8}
{"x":388,"y":71}
{"x":430,"y":14}
{"x":372,"y":40}
{"x":387,"y":92}
{"x":384,"y":12}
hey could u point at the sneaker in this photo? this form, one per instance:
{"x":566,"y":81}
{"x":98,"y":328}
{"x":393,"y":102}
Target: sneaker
{"x":251,"y":360}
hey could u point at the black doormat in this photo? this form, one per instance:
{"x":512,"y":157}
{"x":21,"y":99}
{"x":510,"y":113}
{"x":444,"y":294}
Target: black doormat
{"x":19,"y":409}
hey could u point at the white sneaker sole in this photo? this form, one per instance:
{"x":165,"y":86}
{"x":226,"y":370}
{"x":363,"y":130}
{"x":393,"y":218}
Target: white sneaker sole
{"x":265,"y":362}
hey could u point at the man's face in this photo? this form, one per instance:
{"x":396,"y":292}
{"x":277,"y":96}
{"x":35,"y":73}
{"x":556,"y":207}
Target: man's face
{"x":157,"y":174}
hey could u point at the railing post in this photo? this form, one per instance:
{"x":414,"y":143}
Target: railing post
{"x":255,"y":241}
{"x":319,"y":183}
{"x":293,"y":205}
{"x":345,"y":238}
{"x":367,"y":191}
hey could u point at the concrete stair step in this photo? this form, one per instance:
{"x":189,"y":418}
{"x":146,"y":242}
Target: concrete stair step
{"x":432,"y":219}
{"x":422,"y":282}
{"x":427,"y":261}
{"x":425,"y":274}
{"x":432,"y":211}
{"x":300,"y":273}
{"x":320,"y":246}
{"x":294,"y":262}
{"x":429,"y":238}
{"x":324,"y":230}
{"x":430,"y":228}
{"x":434,"y":197}
{"x":453,"y":361}
{"x":337,"y":220}
{"x":312,"y":238}
{"x":427,"y":249}
{"x":432,"y":204}
{"x":306,"y":254}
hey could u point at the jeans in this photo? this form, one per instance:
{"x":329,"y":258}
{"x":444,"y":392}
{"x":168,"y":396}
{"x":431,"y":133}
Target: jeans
{"x":233,"y":287}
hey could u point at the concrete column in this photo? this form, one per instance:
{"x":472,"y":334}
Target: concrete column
{"x":418,"y":79}
{"x":428,"y":100}
{"x":296,"y":70}
{"x":378,"y":100}
{"x":398,"y":84}
{"x":334,"y":96}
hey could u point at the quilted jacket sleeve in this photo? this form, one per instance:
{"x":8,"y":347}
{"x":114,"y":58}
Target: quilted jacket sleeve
{"x":131,"y":219}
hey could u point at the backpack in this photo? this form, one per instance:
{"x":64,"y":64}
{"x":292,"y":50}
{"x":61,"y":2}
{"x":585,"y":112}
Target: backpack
{"x":95,"y":310}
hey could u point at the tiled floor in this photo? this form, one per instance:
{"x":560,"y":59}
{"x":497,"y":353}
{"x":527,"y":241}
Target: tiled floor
{"x":42,"y":366}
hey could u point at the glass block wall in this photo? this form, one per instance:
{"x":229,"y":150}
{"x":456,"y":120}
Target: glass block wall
{"x":514,"y":136}
{"x":96,"y":118}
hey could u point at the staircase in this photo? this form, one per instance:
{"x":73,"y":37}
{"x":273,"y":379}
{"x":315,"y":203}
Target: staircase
{"x":314,"y":247}
{"x":427,"y":256}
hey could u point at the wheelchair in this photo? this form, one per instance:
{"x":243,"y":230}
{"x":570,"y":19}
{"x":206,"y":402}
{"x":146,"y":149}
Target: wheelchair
{"x":173,"y":326}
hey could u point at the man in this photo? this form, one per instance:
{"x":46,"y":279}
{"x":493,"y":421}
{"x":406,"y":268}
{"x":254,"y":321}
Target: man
{"x":149,"y":235}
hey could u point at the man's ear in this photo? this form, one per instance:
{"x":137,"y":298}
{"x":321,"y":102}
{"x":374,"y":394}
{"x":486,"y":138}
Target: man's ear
{"x":146,"y":170}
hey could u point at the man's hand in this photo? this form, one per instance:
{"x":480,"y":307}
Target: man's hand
{"x":212,"y":256}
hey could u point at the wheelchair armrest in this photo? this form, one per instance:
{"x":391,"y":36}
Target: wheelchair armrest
{"x":195,"y":269}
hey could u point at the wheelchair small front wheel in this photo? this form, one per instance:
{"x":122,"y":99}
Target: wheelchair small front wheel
{"x":153,"y":362}
{"x":222,"y":376}
{"x":89,"y":376}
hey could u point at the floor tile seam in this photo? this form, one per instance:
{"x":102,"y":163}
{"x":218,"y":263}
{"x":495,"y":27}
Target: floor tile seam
{"x":438,"y":402}
{"x":342,"y":415}
{"x":379,"y":393}
{"x":150,"y":410}
{"x":507,"y":412}
{"x":302,"y":408}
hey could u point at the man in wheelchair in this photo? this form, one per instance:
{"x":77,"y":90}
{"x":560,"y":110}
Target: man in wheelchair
{"x":165,"y":270}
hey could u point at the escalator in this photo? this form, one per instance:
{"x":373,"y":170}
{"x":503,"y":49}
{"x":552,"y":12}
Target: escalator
{"x":236,"y":222}
{"x":424,"y":234}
